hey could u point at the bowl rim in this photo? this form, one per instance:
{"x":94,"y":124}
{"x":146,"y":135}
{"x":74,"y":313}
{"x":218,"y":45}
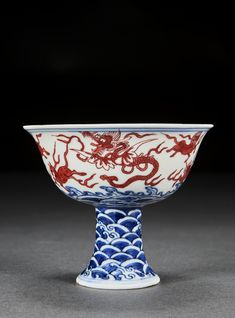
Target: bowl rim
{"x":111,"y":127}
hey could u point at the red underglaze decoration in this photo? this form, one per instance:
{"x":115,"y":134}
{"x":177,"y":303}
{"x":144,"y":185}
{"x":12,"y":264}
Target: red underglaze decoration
{"x":44,"y":153}
{"x":124,"y":153}
{"x":63,"y":173}
{"x":181,"y":175}
{"x":182,"y":146}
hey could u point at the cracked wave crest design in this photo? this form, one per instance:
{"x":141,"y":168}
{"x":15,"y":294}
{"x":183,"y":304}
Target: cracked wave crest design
{"x":118,"y":253}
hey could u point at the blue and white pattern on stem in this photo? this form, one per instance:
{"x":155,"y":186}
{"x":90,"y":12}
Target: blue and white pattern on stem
{"x":118,"y":253}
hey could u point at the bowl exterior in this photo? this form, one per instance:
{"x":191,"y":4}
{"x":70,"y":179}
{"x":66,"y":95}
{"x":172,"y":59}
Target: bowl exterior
{"x":120,"y":167}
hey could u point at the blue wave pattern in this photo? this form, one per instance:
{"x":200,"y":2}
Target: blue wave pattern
{"x":110,"y":196}
{"x":118,"y":253}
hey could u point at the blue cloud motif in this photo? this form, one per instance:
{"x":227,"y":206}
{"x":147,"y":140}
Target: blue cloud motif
{"x":111,"y":196}
{"x":118,"y":253}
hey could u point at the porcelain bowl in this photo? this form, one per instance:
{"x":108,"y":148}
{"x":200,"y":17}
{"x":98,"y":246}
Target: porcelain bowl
{"x":111,"y":165}
{"x":118,"y":168}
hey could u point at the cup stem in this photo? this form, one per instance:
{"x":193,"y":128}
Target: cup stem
{"x":118,"y":261}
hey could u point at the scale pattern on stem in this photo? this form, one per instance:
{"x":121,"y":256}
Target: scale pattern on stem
{"x":118,"y":253}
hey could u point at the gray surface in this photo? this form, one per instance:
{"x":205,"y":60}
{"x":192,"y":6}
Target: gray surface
{"x":46,"y":239}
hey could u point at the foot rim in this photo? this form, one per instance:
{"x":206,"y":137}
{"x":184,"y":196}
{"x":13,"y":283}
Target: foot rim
{"x":103,"y":284}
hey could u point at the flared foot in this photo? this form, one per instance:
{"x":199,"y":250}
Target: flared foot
{"x":112,"y":284}
{"x":118,"y":261}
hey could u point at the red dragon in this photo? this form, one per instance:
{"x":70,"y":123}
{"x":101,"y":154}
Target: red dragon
{"x":110,"y":150}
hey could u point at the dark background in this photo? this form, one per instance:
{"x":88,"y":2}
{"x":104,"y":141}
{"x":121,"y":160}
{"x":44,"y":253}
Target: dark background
{"x":112,"y":62}
{"x":108,"y":62}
